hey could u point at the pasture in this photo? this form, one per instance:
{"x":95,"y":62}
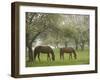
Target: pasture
{"x":82,"y":58}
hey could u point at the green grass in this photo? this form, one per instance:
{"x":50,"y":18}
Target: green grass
{"x":82,"y":58}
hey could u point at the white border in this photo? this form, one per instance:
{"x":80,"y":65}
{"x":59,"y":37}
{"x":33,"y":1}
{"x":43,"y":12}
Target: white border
{"x":72,"y":68}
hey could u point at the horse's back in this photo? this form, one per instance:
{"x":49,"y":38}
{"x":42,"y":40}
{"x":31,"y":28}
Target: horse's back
{"x":43,"y":49}
{"x":68,"y":49}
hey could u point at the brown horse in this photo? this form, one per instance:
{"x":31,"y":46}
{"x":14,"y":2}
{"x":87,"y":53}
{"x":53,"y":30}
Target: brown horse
{"x":69,"y":51}
{"x":43,"y":50}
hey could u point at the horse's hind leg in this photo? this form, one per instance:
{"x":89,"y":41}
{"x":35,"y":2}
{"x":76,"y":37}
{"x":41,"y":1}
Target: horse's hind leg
{"x":63,"y":56}
{"x":48,"y":57}
{"x":34,"y":57}
{"x":39,"y":56}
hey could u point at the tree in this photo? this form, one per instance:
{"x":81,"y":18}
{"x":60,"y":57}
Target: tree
{"x":37,"y":25}
{"x":76,"y":27}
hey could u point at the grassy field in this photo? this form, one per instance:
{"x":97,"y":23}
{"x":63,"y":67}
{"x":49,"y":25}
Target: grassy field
{"x":82,"y":58}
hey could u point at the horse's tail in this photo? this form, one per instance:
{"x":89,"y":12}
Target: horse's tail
{"x":74,"y":54}
{"x":53,"y":55}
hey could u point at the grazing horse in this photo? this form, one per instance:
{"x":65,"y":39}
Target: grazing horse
{"x":69,"y":51}
{"x":43,"y":50}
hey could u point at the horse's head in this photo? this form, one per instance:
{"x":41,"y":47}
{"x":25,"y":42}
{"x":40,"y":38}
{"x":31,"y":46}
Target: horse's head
{"x":53,"y":58}
{"x":75,"y":54}
{"x":75,"y":57}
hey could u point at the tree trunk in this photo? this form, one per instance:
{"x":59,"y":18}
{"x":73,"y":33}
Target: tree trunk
{"x":76,"y":44}
{"x":30,"y":53}
{"x":29,"y":44}
{"x":76,"y":47}
{"x":66,"y":44}
{"x":82,"y":46}
{"x":57,"y":43}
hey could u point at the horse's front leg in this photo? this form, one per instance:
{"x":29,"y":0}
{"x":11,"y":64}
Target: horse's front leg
{"x":70,"y":56}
